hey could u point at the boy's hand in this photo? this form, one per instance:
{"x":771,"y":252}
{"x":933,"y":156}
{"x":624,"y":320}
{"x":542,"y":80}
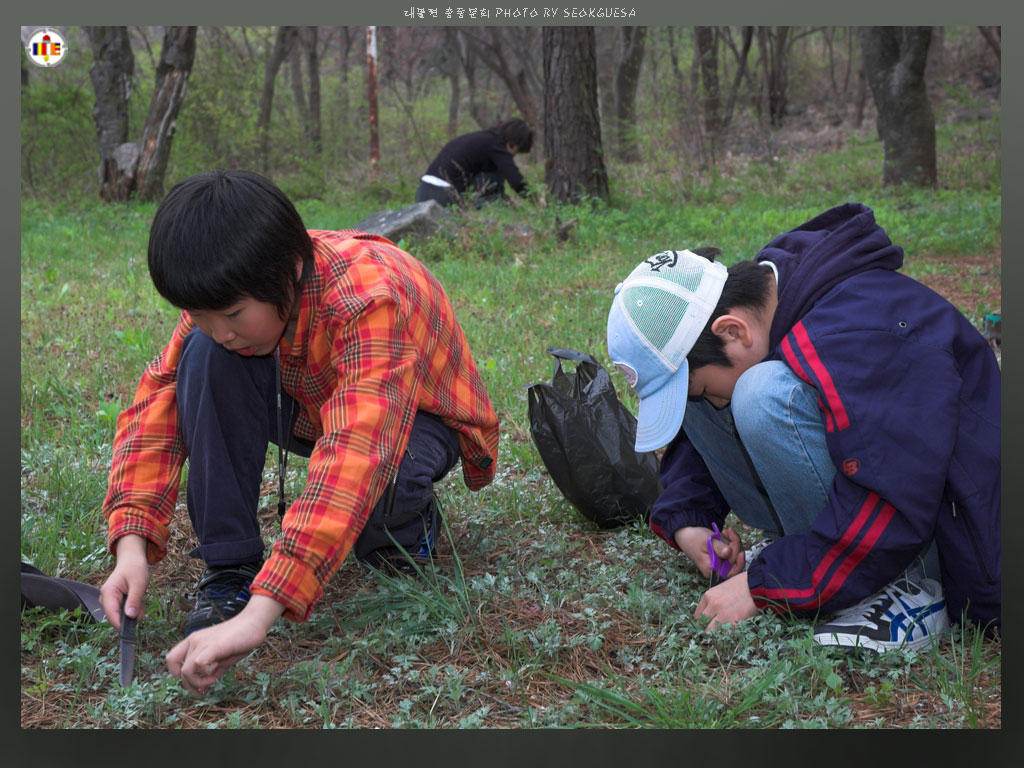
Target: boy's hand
{"x":693,"y":540}
{"x":203,"y":657}
{"x":130,"y":577}
{"x":727,"y":602}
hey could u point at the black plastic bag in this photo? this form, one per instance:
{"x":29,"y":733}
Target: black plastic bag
{"x":587,"y":439}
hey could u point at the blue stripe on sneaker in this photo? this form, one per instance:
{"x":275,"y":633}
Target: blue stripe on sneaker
{"x":914,"y":617}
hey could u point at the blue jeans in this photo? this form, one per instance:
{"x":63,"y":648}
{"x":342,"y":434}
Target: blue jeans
{"x":227,"y":409}
{"x":766,"y":451}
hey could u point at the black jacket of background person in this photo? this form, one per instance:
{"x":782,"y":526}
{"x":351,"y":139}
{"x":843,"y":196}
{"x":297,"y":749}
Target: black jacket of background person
{"x":462,"y":158}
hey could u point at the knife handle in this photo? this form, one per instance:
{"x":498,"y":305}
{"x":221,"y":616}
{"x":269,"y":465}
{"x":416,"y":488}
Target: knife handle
{"x":127,"y":625}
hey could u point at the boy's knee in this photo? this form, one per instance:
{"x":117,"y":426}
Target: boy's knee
{"x":208,"y":375}
{"x":201,"y":355}
{"x":432,"y":451}
{"x":760,"y":397}
{"x":197,"y":351}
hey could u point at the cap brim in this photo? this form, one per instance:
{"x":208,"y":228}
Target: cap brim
{"x":661,"y":414}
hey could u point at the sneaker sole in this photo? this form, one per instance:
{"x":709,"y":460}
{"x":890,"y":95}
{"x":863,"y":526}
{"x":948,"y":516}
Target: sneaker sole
{"x":853,"y":641}
{"x":856,"y":642}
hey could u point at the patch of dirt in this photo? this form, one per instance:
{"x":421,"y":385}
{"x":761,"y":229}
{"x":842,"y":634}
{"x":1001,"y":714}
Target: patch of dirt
{"x":966,"y":281}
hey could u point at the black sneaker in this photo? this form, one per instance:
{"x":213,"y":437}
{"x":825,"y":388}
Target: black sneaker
{"x":420,"y":555}
{"x":222,"y":592}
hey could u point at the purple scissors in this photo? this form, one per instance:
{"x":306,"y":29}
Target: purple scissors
{"x":719,"y":567}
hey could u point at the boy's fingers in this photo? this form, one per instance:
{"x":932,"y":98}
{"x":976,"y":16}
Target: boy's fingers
{"x":111,"y":599}
{"x":733,"y":538}
{"x":723,"y":549}
{"x":133,"y":605}
{"x":176,"y":656}
{"x":198,"y":676}
{"x":741,"y":562}
{"x":731,"y":545}
{"x":700,"y":606}
{"x":112,"y":608}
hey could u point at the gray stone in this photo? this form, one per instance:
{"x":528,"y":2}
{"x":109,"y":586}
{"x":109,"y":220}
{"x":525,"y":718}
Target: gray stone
{"x":417,"y":220}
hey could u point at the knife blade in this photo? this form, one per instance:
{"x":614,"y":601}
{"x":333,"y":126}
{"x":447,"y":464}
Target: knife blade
{"x":128,"y":643}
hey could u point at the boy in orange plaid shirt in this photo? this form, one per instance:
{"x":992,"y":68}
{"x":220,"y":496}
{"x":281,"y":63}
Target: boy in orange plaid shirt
{"x":338,"y":346}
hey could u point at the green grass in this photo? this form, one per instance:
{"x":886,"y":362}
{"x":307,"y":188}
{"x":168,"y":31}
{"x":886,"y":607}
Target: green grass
{"x":532,"y":617}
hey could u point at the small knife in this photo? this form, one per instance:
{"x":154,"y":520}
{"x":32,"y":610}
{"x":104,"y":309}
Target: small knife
{"x":128,"y":644}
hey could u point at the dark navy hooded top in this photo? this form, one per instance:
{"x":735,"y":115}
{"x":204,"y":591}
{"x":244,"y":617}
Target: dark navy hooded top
{"x":462,"y":158}
{"x":909,"y":393}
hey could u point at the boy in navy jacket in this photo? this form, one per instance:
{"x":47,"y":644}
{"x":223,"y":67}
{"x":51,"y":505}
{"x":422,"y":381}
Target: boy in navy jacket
{"x":842,"y":407}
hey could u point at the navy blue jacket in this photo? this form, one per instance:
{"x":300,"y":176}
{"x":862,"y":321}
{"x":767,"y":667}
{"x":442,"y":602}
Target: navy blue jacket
{"x":910,"y":397}
{"x":462,"y":158}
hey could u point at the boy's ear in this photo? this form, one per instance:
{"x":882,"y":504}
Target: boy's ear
{"x":732,"y":328}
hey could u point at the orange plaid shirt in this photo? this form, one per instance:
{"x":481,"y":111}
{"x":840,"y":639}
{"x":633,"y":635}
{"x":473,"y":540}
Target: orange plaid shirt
{"x":377,"y":340}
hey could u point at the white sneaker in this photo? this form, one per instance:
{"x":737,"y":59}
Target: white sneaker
{"x":909,"y":613}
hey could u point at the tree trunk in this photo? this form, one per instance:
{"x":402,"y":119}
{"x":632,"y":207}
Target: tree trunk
{"x":141,"y":33}
{"x":282,"y":44}
{"x":828,"y":34}
{"x":707,"y":50}
{"x":774,"y":51}
{"x":862,"y":98}
{"x":741,"y":72}
{"x":346,"y":39}
{"x":605,"y":42}
{"x":627,"y":76}
{"x":452,"y":70}
{"x":935,"y":67}
{"x":111,"y":73}
{"x":176,"y":58}
{"x":506,"y":51}
{"x":573,"y":163}
{"x":849,"y":60}
{"x":371,"y":94}
{"x":894,"y":62}
{"x":298,"y":91}
{"x":695,"y":65}
{"x":313,"y":64}
{"x":248,"y":46}
{"x":994,"y":38}
{"x":677,"y":72}
{"x":467,"y":56}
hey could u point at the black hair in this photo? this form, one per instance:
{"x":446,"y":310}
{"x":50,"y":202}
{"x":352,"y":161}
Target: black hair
{"x":748,"y":285}
{"x":222,"y":236}
{"x":515,"y":132}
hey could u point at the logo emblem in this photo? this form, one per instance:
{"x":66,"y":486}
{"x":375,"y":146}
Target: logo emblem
{"x":46,"y":47}
{"x":663,"y":259}
{"x":628,"y":372}
{"x":850,"y":467}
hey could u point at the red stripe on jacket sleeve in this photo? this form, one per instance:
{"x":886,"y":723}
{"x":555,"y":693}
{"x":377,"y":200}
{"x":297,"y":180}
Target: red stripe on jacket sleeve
{"x":798,"y":369}
{"x":658,"y":530}
{"x":846,"y":567}
{"x":828,"y":387}
{"x":865,"y":545}
{"x":794,"y":361}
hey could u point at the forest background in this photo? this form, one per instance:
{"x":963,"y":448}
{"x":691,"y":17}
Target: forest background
{"x":533,"y":616}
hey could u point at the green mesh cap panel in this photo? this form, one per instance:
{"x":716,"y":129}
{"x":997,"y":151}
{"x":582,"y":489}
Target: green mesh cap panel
{"x":655,"y":312}
{"x":685,"y":276}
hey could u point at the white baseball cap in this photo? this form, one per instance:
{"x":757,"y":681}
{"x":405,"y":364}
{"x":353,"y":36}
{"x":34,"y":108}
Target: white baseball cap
{"x":656,"y":316}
